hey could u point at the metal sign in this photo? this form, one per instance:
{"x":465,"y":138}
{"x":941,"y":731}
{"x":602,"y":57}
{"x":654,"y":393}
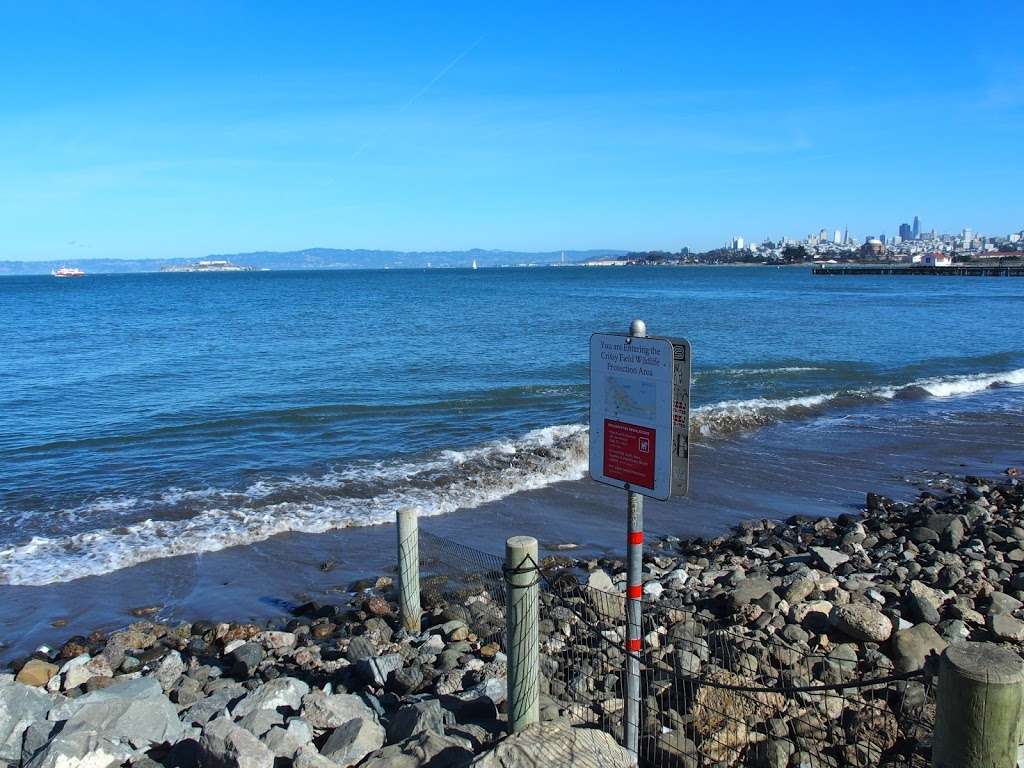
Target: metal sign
{"x":639,"y":413}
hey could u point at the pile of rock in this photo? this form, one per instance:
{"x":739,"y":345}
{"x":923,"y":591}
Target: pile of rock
{"x":331,"y":687}
{"x":807,"y":602}
{"x":734,"y":627}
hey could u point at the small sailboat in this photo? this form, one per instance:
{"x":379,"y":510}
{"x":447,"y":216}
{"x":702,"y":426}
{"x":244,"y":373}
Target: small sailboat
{"x":474,"y":264}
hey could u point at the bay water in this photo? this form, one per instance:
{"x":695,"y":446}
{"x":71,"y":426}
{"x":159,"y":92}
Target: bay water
{"x":219,"y":442}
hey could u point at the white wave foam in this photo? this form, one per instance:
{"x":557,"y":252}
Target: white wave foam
{"x":540,"y":458}
{"x":730,"y":416}
{"x":369,"y":493}
{"x":955,"y":386}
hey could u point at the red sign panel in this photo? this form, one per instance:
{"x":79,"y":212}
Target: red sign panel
{"x":629,"y":453}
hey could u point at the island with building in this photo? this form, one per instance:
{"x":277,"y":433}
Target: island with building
{"x":210,"y":265}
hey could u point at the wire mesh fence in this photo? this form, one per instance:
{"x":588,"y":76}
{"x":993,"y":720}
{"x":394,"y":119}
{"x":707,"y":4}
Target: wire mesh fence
{"x":714,"y":692}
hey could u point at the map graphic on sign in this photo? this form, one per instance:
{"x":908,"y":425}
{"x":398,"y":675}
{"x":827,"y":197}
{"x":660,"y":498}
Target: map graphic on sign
{"x":631,"y":400}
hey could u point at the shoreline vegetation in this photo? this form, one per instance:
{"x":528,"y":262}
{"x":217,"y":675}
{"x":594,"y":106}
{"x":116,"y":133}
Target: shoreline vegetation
{"x":791,"y":603}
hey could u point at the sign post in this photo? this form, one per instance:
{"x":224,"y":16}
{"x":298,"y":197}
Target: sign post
{"x":639,"y":441}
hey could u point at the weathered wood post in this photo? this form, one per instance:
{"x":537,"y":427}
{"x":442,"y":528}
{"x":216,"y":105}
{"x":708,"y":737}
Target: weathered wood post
{"x":522,"y":577}
{"x":979,"y":707}
{"x":409,"y":569}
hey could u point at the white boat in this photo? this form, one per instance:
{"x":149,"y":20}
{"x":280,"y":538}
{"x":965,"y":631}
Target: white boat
{"x":474,"y":263}
{"x":68,"y":272}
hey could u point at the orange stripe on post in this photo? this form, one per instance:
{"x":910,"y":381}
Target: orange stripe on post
{"x":633,"y":646}
{"x":636,"y":537}
{"x":634,"y":592}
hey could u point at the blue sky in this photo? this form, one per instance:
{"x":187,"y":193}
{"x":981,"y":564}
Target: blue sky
{"x":135,"y":130}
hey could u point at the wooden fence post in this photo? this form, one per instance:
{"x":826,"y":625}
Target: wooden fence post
{"x":523,"y":642}
{"x":409,"y":569}
{"x":979,"y":707}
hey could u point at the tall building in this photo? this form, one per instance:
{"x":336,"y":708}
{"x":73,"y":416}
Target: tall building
{"x":917,"y":228}
{"x":837,"y":238}
{"x":737,"y":243}
{"x":968,"y":236}
{"x":823,"y":236}
{"x":905,"y":232}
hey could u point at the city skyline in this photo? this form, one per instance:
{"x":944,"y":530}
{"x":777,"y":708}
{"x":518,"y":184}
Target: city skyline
{"x":191,"y":130}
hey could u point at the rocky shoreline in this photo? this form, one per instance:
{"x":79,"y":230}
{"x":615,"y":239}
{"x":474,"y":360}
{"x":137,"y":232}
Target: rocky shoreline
{"x":780,"y":606}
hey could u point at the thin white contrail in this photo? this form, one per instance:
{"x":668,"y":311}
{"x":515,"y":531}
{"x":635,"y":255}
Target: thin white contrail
{"x":419,"y":94}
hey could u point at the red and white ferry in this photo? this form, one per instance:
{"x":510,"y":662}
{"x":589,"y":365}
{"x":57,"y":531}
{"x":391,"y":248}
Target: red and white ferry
{"x":68,"y":272}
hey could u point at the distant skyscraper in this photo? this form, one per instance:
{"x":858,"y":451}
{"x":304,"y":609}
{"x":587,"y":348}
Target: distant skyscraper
{"x":737,"y":243}
{"x":968,"y":236}
{"x":846,"y":236}
{"x":917,"y":228}
{"x":905,"y":232}
{"x":823,"y":236}
{"x":838,"y":238}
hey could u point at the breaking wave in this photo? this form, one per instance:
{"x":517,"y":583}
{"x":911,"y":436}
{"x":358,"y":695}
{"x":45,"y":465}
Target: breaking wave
{"x":183,"y":521}
{"x":731,"y":416}
{"x":360,"y":495}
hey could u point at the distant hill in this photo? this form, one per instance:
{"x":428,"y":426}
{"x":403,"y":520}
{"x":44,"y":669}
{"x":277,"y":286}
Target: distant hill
{"x":320,"y":258}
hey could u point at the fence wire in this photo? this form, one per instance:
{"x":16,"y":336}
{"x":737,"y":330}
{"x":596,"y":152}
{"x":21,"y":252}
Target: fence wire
{"x":714,"y":692}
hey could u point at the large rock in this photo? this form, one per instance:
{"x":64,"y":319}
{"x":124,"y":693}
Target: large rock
{"x":20,"y":706}
{"x":749,"y":590}
{"x":217,"y":703}
{"x":1004,"y":627}
{"x":245,"y":659}
{"x":912,"y":646}
{"x":861,"y":622}
{"x":288,"y":740}
{"x":170,"y":668}
{"x":376,"y":670}
{"x":418,"y":717}
{"x":556,"y":743}
{"x":425,"y":750}
{"x":280,"y":692}
{"x":226,"y":745}
{"x":325,"y":712}
{"x":121,"y":690}
{"x":80,"y":749}
{"x":140,"y":722}
{"x":351,"y":742}
{"x":36,"y":672}
{"x":829,"y":559}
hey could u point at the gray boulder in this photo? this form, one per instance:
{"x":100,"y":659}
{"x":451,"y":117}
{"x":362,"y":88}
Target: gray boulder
{"x":170,"y":668}
{"x":829,"y":559}
{"x":556,"y":743}
{"x":353,"y":741}
{"x":912,"y":646}
{"x":749,"y":590}
{"x":217,"y":703}
{"x":20,"y":706}
{"x":861,"y":622}
{"x":1004,"y":627}
{"x":226,"y":745}
{"x":141,"y":722}
{"x":80,"y":749}
{"x":411,"y":719}
{"x":288,"y":740}
{"x":135,"y":689}
{"x":260,"y":721}
{"x":325,"y":712}
{"x":375,"y":670}
{"x":425,"y":750}
{"x":280,"y":692}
